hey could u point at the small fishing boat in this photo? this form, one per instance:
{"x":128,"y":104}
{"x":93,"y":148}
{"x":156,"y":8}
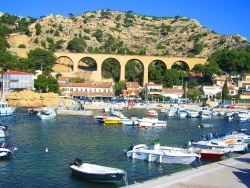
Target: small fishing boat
{"x":47,"y":113}
{"x":208,"y":153}
{"x":97,"y":173}
{"x":5,"y":110}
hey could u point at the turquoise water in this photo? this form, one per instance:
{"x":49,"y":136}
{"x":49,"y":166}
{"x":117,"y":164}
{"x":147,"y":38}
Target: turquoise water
{"x":68,"y":137}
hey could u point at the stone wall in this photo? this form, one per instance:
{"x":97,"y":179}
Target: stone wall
{"x":29,"y":99}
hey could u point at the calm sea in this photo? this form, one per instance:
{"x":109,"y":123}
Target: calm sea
{"x":68,"y":137}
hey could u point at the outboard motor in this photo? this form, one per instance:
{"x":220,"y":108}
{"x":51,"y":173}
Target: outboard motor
{"x":132,"y":145}
{"x":209,"y":136}
{"x":77,"y":162}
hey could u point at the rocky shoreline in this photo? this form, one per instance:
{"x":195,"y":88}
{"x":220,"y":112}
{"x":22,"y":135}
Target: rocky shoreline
{"x":30,"y":99}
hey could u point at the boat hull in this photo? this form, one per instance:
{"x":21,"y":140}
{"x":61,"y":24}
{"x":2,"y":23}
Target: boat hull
{"x":152,"y":124}
{"x":107,"y":177}
{"x":97,"y":173}
{"x":209,"y":153}
{"x":161,"y":154}
{"x":112,"y":122}
{"x":8,"y":111}
{"x":5,"y":153}
{"x":205,"y":145}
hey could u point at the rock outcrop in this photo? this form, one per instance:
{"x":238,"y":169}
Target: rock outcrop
{"x":29,"y":99}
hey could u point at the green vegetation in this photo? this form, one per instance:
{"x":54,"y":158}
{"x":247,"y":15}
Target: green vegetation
{"x":76,"y":80}
{"x":77,"y":45}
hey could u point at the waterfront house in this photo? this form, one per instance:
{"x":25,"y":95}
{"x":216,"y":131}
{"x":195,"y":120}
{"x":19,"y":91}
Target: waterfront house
{"x":174,"y":93}
{"x":153,"y":89}
{"x":132,"y":89}
{"x":87,"y":90}
{"x":17,"y":81}
{"x":244,"y":82}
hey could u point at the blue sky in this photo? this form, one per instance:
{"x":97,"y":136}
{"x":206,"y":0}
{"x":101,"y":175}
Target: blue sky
{"x":225,"y":17}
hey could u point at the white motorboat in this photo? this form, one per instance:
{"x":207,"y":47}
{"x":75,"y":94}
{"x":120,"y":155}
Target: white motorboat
{"x":170,"y":112}
{"x":193,"y":113}
{"x":242,"y":115}
{"x":47,"y":113}
{"x":205,"y":114}
{"x":238,"y":144}
{"x":97,"y":173}
{"x":6,"y":153}
{"x":213,"y":144}
{"x":161,"y":154}
{"x":5,"y":110}
{"x":145,"y":119}
{"x":130,"y":122}
{"x":182,"y":113}
{"x":143,"y":124}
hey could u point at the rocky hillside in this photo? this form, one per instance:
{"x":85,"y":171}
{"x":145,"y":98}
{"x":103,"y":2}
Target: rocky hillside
{"x":156,"y":36}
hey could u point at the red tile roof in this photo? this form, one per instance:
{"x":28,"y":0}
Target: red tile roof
{"x":132,"y":84}
{"x":170,"y":90}
{"x":17,"y":72}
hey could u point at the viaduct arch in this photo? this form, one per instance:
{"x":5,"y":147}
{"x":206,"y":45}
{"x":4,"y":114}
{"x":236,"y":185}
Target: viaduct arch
{"x":123,"y":59}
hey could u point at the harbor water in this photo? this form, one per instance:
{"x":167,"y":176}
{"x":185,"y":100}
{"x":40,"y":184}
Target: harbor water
{"x":68,"y":137}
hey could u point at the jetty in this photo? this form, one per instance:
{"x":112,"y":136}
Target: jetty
{"x":233,"y":172}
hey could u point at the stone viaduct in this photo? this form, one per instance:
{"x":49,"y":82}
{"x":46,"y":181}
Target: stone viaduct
{"x":75,"y":59}
{"x":123,"y":59}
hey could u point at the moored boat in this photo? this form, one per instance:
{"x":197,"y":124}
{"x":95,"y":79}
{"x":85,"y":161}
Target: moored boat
{"x":97,"y":173}
{"x":161,"y":154}
{"x":47,"y":113}
{"x":112,"y":121}
{"x":213,"y":144}
{"x":193,"y":113}
{"x":208,"y":153}
{"x":142,"y":124}
{"x":6,"y":153}
{"x":182,"y":113}
{"x":130,"y":122}
{"x":5,"y":110}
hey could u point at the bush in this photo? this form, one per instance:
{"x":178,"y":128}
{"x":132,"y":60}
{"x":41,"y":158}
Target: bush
{"x":21,"y":46}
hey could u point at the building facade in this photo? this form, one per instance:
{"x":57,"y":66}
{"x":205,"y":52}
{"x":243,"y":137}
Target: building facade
{"x":17,"y":81}
{"x":88,"y":90}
